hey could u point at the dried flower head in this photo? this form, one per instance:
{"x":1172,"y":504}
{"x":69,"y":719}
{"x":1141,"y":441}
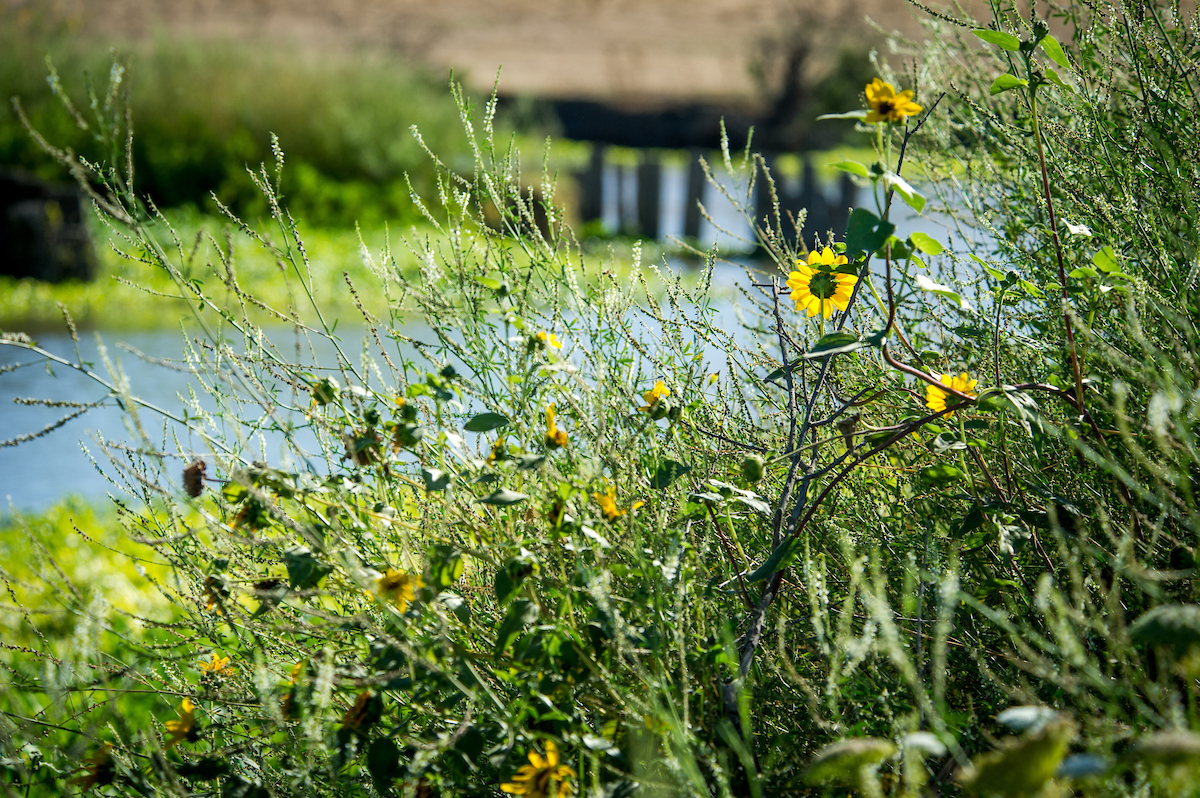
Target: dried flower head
{"x":193,"y":477}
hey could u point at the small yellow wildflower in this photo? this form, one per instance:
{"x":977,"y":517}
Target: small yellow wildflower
{"x":608,"y":504}
{"x":935,"y":397}
{"x":499,"y":452}
{"x":549,"y":339}
{"x":555,"y":437}
{"x":816,"y":288}
{"x":398,"y":587}
{"x":185,"y":727}
{"x":543,"y":776}
{"x":217,"y":666}
{"x":655,"y":395}
{"x":886,"y":105}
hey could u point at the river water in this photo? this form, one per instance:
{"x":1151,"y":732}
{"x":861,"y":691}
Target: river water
{"x":69,"y":460}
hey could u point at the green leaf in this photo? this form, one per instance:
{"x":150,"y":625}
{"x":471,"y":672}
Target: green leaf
{"x":383,"y":763}
{"x":1171,"y":624}
{"x":866,"y":232}
{"x":1006,"y":82}
{"x":1053,"y":77}
{"x":853,"y":167}
{"x":510,"y":578}
{"x":939,"y":475}
{"x":233,"y":493}
{"x":835,"y":343}
{"x":445,"y":566}
{"x":667,"y":472}
{"x":1005,"y":40}
{"x":522,"y":613}
{"x":502,"y":497}
{"x":925,"y":284}
{"x":1054,"y":50}
{"x":1106,"y":260}
{"x":528,"y":462}
{"x":435,"y":479}
{"x":490,"y":282}
{"x":304,"y":570}
{"x":910,"y":195}
{"x":860,"y":114}
{"x":486,"y":422}
{"x":780,"y":558}
{"x":927,"y":244}
{"x":1022,"y":765}
{"x":842,"y":762}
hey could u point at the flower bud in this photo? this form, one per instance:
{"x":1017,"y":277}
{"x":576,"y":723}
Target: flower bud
{"x":752,"y":468}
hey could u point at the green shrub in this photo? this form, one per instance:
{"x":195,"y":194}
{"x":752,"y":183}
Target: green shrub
{"x":551,"y":530}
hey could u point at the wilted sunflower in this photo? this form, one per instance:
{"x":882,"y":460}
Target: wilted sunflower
{"x":555,"y":437}
{"x":98,"y":771}
{"x":816,"y":288}
{"x":888,"y":106}
{"x":542,"y":777}
{"x":935,"y":397}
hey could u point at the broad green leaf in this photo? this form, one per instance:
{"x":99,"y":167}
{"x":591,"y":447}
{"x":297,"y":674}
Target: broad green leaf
{"x":1081,"y":766}
{"x":445,"y":566}
{"x":1106,"y":260}
{"x":853,"y":167}
{"x":834,"y":343}
{"x":925,"y":284}
{"x":842,"y":762}
{"x":1006,"y":82}
{"x":1079,"y":229}
{"x":998,"y":38}
{"x":304,"y":570}
{"x":860,"y":114}
{"x":233,"y":493}
{"x":1026,"y":718}
{"x":1021,"y":766}
{"x":780,"y":558}
{"x":522,"y":613}
{"x":940,"y":475}
{"x":435,"y":479}
{"x":383,"y":763}
{"x":489,"y":282}
{"x":866,"y":232}
{"x":1053,"y":77}
{"x":1169,"y":748}
{"x":486,"y":422}
{"x":1171,"y":624}
{"x":1054,"y":50}
{"x":667,"y":472}
{"x":502,"y":497}
{"x":910,"y":195}
{"x":510,"y":578}
{"x":927,"y":243}
{"x":1081,"y":272}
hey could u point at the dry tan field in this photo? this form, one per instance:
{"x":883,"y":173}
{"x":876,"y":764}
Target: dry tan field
{"x":628,"y":51}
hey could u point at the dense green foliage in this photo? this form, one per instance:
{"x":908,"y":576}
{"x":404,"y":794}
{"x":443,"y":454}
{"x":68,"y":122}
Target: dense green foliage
{"x":549,"y":530}
{"x":345,"y":120}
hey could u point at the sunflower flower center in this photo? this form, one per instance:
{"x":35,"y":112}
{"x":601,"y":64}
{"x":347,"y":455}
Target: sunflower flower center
{"x":823,"y":285}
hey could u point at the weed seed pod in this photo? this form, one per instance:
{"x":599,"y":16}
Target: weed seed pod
{"x":752,"y":468}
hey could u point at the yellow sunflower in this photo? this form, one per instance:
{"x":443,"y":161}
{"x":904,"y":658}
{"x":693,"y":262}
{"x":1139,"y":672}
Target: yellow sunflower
{"x":935,"y":397}
{"x":888,"y":106}
{"x":185,"y":727}
{"x":542,"y":777}
{"x":548,"y":339}
{"x":555,"y":437}
{"x":608,"y":504}
{"x":655,"y":395}
{"x":398,"y":587}
{"x":816,"y":288}
{"x":217,"y":666}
